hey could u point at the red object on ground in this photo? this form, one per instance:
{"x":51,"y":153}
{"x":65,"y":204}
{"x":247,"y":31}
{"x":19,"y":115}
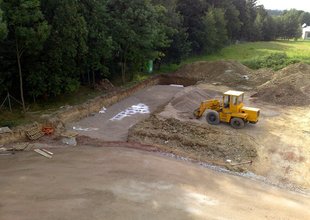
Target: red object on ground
{"x":48,"y":130}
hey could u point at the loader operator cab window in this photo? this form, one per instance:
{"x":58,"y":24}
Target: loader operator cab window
{"x":240,"y":99}
{"x":226,"y":101}
{"x":234,"y":100}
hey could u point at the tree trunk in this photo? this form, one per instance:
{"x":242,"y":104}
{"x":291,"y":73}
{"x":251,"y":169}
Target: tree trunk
{"x":18,"y":56}
{"x":124,"y":69}
{"x":123,"y":73}
{"x":94,"y":80}
{"x":88,"y":76}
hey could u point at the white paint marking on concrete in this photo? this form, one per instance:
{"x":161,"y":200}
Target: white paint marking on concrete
{"x":135,"y":109}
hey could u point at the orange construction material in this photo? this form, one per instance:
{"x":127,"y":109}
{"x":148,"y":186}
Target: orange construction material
{"x":48,"y":130}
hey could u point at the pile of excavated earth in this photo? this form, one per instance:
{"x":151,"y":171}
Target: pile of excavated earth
{"x":174,"y":129}
{"x":229,"y":73}
{"x":289,"y":86}
{"x":199,"y":141}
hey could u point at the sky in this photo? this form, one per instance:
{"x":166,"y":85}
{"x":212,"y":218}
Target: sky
{"x":286,"y":4}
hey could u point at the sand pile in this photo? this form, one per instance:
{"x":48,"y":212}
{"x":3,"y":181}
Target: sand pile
{"x":203,"y":142}
{"x":230,"y":73}
{"x":186,"y":101}
{"x":289,"y":86}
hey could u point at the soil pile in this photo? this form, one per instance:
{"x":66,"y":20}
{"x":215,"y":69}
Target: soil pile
{"x":203,"y":142}
{"x":186,"y":101}
{"x":230,"y":73}
{"x":289,"y":86}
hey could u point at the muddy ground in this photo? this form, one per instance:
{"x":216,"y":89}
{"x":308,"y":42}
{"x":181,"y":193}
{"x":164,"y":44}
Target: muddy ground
{"x":85,"y":183}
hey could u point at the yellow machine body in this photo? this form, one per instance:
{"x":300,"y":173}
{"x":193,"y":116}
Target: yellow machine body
{"x":230,"y":107}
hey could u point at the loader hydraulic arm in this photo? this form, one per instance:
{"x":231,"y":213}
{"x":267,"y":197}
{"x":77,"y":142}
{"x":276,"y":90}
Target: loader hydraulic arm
{"x":208,"y":104}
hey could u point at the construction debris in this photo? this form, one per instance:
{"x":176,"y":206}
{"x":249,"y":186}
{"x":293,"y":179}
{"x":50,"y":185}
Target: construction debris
{"x":7,"y":154}
{"x":46,"y":151}
{"x":175,"y":85}
{"x":69,"y":138}
{"x":103,"y":110}
{"x":34,"y":132}
{"x":78,"y":128}
{"x":20,"y":146}
{"x":5,"y":130}
{"x":48,"y":130}
{"x":41,"y":152}
{"x":246,"y":162}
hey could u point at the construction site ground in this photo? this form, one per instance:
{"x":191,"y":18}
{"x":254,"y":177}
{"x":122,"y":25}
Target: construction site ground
{"x":88,"y":182}
{"x":121,"y":183}
{"x":100,"y":125}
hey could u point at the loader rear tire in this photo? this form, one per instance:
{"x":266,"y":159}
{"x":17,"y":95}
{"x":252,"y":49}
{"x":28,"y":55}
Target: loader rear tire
{"x":237,"y":123}
{"x":213,"y":117}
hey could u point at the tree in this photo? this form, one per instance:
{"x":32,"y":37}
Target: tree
{"x":215,"y":30}
{"x":292,"y":27}
{"x":179,"y":47}
{"x":193,"y":12}
{"x":264,"y":24}
{"x":231,"y":15}
{"x":3,"y":27}
{"x":304,"y":18}
{"x":136,"y":32}
{"x":64,"y":51}
{"x":27,"y":30}
{"x":100,"y":45}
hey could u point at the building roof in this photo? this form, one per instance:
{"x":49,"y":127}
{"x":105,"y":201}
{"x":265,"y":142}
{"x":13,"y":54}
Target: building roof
{"x":306,"y":29}
{"x":234,"y":93}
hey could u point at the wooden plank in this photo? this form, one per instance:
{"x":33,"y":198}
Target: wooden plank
{"x":42,"y":153}
{"x":46,"y":151}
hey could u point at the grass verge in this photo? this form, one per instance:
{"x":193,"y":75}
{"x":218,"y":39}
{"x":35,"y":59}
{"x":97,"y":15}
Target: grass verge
{"x":256,"y":54}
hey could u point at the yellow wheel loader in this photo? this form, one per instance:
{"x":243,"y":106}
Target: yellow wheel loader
{"x":230,"y":110}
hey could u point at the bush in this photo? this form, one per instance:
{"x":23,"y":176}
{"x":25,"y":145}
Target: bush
{"x":273,"y":61}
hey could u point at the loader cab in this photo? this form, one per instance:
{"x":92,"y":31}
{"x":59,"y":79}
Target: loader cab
{"x":232,"y":101}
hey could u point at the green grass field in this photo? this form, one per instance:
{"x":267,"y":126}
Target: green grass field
{"x":252,"y":52}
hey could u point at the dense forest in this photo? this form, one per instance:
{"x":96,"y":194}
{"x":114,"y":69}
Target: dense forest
{"x":51,"y":47}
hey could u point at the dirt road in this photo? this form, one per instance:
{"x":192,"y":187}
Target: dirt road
{"x":113,"y":123}
{"x":117,"y":183}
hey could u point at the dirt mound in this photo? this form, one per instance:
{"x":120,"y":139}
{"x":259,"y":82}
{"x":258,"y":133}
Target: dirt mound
{"x":289,"y":86}
{"x":203,"y":142}
{"x":186,"y":101}
{"x":230,"y":73}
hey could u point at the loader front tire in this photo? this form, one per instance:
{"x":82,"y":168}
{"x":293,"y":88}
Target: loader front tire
{"x":213,"y":117}
{"x":237,"y":123}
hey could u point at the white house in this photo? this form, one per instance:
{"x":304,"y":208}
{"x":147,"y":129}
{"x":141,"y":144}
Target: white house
{"x":306,"y":32}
